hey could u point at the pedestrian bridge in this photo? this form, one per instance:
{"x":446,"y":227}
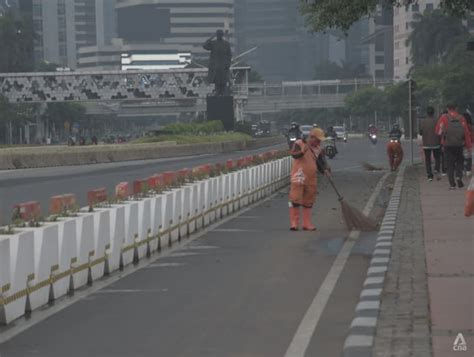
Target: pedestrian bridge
{"x":145,"y":93}
{"x":258,"y":98}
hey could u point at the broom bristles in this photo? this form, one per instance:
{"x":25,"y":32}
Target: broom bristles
{"x":370,"y":167}
{"x":356,"y":220}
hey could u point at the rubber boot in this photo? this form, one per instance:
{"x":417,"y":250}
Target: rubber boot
{"x":294,"y":218}
{"x":307,"y":225}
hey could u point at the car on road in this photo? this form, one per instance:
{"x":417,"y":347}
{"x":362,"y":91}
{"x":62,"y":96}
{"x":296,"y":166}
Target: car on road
{"x":341,"y":133}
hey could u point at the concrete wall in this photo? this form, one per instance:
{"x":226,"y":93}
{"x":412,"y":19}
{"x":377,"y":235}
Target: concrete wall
{"x":34,"y":157}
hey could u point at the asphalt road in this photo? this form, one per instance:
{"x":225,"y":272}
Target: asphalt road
{"x":18,"y":186}
{"x":40,"y":184}
{"x":241,"y":289}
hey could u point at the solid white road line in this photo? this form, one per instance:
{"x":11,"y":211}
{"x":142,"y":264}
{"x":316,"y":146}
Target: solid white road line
{"x":305,"y":331}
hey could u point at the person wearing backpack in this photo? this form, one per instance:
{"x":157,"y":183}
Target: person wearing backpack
{"x":431,"y":144}
{"x":455,"y":136}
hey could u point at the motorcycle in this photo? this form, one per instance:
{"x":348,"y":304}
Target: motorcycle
{"x":291,"y":140}
{"x":330,"y":148}
{"x":373,"y":138}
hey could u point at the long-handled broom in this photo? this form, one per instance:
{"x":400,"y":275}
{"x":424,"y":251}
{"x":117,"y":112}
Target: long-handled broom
{"x":354,"y":219}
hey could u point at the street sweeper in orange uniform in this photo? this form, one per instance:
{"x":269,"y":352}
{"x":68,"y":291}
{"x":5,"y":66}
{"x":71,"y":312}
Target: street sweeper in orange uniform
{"x":308,"y":159}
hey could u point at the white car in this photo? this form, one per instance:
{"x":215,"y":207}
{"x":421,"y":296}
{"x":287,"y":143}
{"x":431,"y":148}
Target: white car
{"x":341,"y":133}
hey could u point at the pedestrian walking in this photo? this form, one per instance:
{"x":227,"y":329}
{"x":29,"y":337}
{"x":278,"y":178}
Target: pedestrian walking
{"x":308,"y":159}
{"x":431,"y":144}
{"x":455,"y":137}
{"x":468,"y":154}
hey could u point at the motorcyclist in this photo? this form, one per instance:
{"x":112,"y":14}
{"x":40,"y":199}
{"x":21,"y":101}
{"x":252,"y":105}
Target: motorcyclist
{"x":373,"y":130}
{"x":332,"y":135}
{"x":395,"y":133}
{"x":294,"y":134}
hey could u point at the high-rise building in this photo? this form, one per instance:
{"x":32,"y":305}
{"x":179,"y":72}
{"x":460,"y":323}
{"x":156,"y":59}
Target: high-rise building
{"x":403,"y":18}
{"x":285,"y":49}
{"x":64,"y":26}
{"x":380,"y":40}
{"x":156,"y":28}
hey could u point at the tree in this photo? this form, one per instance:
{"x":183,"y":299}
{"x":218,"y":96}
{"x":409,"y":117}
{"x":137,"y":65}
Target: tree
{"x":366,"y":101}
{"x":17,"y":37}
{"x":432,"y":36}
{"x":321,"y":15}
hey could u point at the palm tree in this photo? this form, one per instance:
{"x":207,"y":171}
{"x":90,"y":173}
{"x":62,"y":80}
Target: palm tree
{"x":432,"y":36}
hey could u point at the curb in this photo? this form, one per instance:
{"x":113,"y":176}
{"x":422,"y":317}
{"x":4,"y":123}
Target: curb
{"x":359,"y":342}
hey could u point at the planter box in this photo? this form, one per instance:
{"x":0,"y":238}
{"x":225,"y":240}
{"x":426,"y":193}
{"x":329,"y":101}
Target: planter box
{"x":17,"y":273}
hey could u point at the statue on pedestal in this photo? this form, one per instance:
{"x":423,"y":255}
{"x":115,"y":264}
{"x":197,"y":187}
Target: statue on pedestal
{"x":219,"y":62}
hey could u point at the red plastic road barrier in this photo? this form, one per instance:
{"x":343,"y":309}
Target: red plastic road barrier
{"x":58,"y":204}
{"x":139,"y":186}
{"x":154,"y":181}
{"x":121,"y":190}
{"x":29,"y":210}
{"x":96,"y":196}
{"x":469,"y":206}
{"x":241,"y":162}
{"x":169,"y":178}
{"x":183,"y":174}
{"x":248,"y":160}
{"x":229,"y":164}
{"x":69,"y":200}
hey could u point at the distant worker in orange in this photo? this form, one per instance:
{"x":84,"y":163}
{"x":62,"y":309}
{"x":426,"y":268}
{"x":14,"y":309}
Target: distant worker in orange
{"x":308,"y":158}
{"x":394,"y":148}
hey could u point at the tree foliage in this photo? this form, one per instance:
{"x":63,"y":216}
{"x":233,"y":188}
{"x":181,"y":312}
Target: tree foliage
{"x":366,"y":101}
{"x":321,"y":15}
{"x":432,"y":37}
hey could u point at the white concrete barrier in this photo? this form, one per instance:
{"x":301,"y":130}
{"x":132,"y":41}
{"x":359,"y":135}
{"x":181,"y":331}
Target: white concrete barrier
{"x":177,"y":215}
{"x":46,"y":259}
{"x":5,"y":277}
{"x":85,"y":249}
{"x":219,"y":196}
{"x":144,"y":228}
{"x":40,"y":264}
{"x":102,"y":243}
{"x":18,"y":273}
{"x":212,"y":193}
{"x":131,"y":233}
{"x":237,"y":189}
{"x":67,"y":255}
{"x":167,"y":212}
{"x":156,"y":222}
{"x":195,"y":208}
{"x":186,"y":213}
{"x":204,"y":201}
{"x":117,"y":238}
{"x":225,"y":194}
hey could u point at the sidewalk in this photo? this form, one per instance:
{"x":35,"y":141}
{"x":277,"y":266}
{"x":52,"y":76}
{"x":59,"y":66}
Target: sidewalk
{"x":449,"y":248}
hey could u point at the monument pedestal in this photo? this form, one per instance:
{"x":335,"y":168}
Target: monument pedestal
{"x":221,"y":108}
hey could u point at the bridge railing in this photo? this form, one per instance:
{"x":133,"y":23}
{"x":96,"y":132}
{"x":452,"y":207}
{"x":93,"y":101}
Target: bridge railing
{"x":157,"y":85}
{"x":312,"y":88}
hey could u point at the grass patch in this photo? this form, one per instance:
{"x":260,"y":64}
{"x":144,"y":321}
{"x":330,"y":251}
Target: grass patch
{"x":193,"y":139}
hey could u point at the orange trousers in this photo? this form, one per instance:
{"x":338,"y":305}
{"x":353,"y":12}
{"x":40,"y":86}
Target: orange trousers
{"x":302,"y":195}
